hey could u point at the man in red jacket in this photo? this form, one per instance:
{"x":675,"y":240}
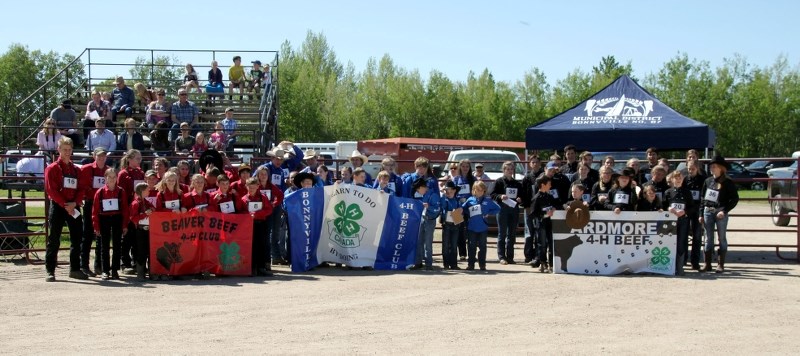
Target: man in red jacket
{"x":65,"y":191}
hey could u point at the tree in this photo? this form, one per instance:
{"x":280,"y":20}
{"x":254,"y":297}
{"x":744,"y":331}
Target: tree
{"x":160,"y":72}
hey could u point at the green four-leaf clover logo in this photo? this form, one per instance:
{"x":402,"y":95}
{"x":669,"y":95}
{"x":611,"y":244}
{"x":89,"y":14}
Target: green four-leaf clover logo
{"x":229,"y":256}
{"x":347,"y":215}
{"x":660,"y":256}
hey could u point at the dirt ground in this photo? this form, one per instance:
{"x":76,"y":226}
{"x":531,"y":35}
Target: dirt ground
{"x":754,"y":308}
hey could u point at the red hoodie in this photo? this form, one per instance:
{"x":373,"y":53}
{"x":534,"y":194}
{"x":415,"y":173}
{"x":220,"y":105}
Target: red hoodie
{"x":264,"y":209}
{"x":114,"y":202}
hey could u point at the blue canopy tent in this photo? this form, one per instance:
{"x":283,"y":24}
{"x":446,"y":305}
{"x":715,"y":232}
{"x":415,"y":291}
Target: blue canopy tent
{"x":623,"y":116}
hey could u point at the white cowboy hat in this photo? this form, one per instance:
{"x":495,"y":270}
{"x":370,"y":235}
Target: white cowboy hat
{"x":309,"y":154}
{"x":357,"y":154}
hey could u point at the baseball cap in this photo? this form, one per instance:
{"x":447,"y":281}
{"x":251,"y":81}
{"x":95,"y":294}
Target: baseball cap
{"x":150,"y":173}
{"x":450,"y":185}
{"x":100,"y":151}
{"x":479,"y":165}
{"x":256,"y":62}
{"x":552,"y":164}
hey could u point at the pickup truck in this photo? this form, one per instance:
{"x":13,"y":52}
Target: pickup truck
{"x":783,"y":189}
{"x":492,"y":163}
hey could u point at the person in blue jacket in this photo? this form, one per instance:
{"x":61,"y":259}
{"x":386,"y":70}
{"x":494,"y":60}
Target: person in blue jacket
{"x":358,"y":160}
{"x":450,"y":227}
{"x":293,"y":160}
{"x":421,"y":170}
{"x":395,"y":183}
{"x":431,"y":210}
{"x":476,"y":209}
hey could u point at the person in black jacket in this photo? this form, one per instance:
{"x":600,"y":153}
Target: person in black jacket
{"x":658,"y":180}
{"x":679,"y":200}
{"x":649,"y":201}
{"x":694,"y":183}
{"x":507,"y":194}
{"x":130,"y":138}
{"x":528,"y":190}
{"x":720,"y":196}
{"x":601,"y":189}
{"x":542,"y":209}
{"x":622,"y":196}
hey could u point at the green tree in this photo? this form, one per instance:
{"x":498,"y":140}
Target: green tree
{"x":160,"y":72}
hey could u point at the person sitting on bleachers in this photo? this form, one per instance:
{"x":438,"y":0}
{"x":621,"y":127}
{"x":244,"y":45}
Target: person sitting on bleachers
{"x":159,"y":142}
{"x":101,"y":107}
{"x":47,"y":138}
{"x":100,"y":137}
{"x":143,"y":95}
{"x":123,"y":98}
{"x":65,"y":119}
{"x":184,"y":143}
{"x":130,"y":138}
{"x":158,"y":110}
{"x":184,"y":110}
{"x":190,"y":79}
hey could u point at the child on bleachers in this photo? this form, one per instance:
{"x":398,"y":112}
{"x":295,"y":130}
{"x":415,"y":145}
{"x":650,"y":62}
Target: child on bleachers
{"x":200,"y":145}
{"x":218,"y":138}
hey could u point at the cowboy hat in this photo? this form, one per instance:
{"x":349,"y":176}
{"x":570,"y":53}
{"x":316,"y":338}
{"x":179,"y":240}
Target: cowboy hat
{"x":719,"y":160}
{"x":419,"y":183}
{"x":300,"y":177}
{"x":309,"y":154}
{"x":577,"y":215}
{"x":358,"y":155}
{"x":628,"y":172}
{"x":212,"y":157}
{"x":276,"y":152}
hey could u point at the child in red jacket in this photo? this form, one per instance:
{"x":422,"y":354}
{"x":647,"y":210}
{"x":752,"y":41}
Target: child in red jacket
{"x":141,"y":208}
{"x":260,"y":209}
{"x":169,"y":194}
{"x":196,"y":199}
{"x":223,"y":200}
{"x":110,"y":218}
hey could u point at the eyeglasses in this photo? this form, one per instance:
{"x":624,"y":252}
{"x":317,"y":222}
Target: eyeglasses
{"x":183,"y":94}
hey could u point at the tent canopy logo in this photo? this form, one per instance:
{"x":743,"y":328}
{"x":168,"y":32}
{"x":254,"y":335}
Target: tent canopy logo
{"x":618,"y":107}
{"x":345,"y":230}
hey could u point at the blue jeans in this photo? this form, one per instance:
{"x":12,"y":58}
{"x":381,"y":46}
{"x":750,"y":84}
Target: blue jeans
{"x":229,"y":143}
{"x":128,"y":113}
{"x":475,"y":241}
{"x":425,"y":241}
{"x":507,"y":221}
{"x":710,"y":221}
{"x":450,"y":234}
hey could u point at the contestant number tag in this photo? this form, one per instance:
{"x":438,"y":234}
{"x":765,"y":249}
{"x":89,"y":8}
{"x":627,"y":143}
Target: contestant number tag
{"x":254,"y":206}
{"x":695,"y":195}
{"x":276,"y":179}
{"x":511,"y":193}
{"x":475,"y":210}
{"x":463,"y":189}
{"x":145,"y":221}
{"x":70,"y":183}
{"x":226,"y":207}
{"x":98,"y":182}
{"x":172,"y":204}
{"x":111,"y":204}
{"x":712,"y":195}
{"x":391,"y":186}
{"x":553,"y":193}
{"x":678,"y":206}
{"x":621,"y":198}
{"x":267,"y":193}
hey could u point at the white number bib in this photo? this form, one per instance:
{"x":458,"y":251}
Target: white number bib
{"x":226,"y":207}
{"x":391,"y":186}
{"x":200,"y":206}
{"x":511,"y":193}
{"x":276,"y":179}
{"x":98,"y":182}
{"x":267,"y":193}
{"x":145,"y":221}
{"x":463,"y":189}
{"x":110,"y":204}
{"x":712,"y":195}
{"x":254,"y":206}
{"x":586,"y":197}
{"x":678,"y":206}
{"x":211,"y":191}
{"x":553,"y":193}
{"x":172,"y":204}
{"x":152,"y":200}
{"x":70,"y":183}
{"x":448,"y":217}
{"x":621,"y":198}
{"x":475,"y":210}
{"x":602,"y":195}
{"x":695,"y":195}
{"x":418,"y":195}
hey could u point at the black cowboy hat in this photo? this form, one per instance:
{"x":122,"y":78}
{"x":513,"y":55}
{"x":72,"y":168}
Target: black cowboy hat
{"x":213,"y":157}
{"x":628,"y":172}
{"x":718,"y":159}
{"x":420,"y":182}
{"x":300,"y":177}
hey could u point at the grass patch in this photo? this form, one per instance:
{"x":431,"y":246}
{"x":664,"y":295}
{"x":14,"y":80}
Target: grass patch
{"x":760,"y":194}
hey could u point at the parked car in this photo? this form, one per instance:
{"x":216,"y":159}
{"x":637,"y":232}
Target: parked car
{"x":764,"y":166}
{"x":783,"y":189}
{"x":738,"y":171}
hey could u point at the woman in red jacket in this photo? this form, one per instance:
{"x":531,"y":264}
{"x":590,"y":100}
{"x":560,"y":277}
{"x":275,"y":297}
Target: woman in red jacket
{"x":110,"y":218}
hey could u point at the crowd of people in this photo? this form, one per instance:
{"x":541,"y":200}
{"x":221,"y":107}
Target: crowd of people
{"x":112,"y":206}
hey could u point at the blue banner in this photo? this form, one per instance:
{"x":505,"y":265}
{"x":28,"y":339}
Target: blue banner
{"x":352,"y":225}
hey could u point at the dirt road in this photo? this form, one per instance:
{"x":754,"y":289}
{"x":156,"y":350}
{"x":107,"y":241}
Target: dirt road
{"x":752,"y":309}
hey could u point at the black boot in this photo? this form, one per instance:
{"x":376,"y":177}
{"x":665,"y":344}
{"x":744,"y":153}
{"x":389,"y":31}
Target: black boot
{"x":721,"y":261}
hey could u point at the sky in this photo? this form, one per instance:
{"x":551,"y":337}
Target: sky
{"x":508,"y":38}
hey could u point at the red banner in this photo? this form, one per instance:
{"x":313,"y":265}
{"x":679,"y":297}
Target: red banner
{"x":194,"y":242}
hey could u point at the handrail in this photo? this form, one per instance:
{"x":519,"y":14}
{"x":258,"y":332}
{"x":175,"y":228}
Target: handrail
{"x":51,"y":79}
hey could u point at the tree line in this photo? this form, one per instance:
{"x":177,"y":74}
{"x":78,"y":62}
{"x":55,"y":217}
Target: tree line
{"x":754,"y":110}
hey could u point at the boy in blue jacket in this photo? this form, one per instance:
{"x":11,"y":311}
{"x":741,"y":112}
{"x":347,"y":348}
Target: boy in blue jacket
{"x":431,"y":209}
{"x":450,"y":228}
{"x":476,"y":209}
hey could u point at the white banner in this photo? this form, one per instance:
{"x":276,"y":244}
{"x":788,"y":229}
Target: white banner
{"x":614,"y":243}
{"x":352,"y":225}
